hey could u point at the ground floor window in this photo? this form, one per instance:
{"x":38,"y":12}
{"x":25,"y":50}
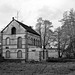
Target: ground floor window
{"x":19,"y":54}
{"x":7,"y":54}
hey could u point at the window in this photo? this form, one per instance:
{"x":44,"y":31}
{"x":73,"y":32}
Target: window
{"x":7,"y":41}
{"x":31,"y":41}
{"x":19,"y":42}
{"x":7,"y":54}
{"x":34,"y":42}
{"x":38,"y":43}
{"x":19,"y":54}
{"x":13,"y":30}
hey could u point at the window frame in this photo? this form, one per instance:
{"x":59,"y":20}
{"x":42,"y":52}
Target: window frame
{"x":7,"y":56}
{"x":18,"y":42}
{"x":18,"y":54}
{"x":13,"y":31}
{"x":34,"y":42}
{"x":6,"y":41}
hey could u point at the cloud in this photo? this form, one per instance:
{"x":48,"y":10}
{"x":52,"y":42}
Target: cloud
{"x":7,"y":9}
{"x":48,"y":13}
{"x":5,"y":12}
{"x":31,"y":10}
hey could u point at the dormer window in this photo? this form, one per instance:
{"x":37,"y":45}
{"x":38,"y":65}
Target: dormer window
{"x":13,"y":31}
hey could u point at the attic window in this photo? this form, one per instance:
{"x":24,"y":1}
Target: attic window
{"x":13,"y":30}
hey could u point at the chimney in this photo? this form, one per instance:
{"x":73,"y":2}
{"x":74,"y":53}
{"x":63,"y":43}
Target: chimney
{"x":12,"y":18}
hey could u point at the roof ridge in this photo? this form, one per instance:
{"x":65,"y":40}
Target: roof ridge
{"x":29,"y":29}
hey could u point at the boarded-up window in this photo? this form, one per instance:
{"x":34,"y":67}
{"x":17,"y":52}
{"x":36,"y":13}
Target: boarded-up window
{"x":19,"y":54}
{"x":7,"y":41}
{"x":13,"y":30}
{"x":7,"y":54}
{"x":19,"y":42}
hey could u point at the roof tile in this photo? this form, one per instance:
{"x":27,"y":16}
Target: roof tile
{"x":29,"y":29}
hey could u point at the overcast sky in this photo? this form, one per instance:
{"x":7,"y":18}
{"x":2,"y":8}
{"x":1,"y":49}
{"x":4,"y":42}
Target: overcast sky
{"x":31,"y":10}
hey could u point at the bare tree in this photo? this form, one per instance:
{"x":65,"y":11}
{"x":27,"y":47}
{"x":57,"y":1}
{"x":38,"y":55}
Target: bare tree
{"x":39,"y":28}
{"x":43,"y":28}
{"x":46,"y":32}
{"x":57,"y":34}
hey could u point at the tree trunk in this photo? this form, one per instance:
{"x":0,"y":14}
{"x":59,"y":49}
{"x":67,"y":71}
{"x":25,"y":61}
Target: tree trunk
{"x":40,"y":42}
{"x":59,"y":50}
{"x":44,"y":51}
{"x":59,"y":53}
{"x":59,"y":56}
{"x":44,"y":43}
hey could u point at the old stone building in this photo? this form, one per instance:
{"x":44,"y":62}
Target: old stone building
{"x":17,"y":38}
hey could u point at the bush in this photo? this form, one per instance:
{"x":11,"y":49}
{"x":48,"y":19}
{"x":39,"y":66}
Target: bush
{"x":1,"y":58}
{"x":13,"y":60}
{"x":60,"y":60}
{"x":54,"y":59}
{"x":33,"y":61}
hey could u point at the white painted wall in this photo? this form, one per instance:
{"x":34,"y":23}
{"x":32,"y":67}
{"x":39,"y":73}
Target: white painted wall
{"x":52,"y":53}
{"x":34,"y":55}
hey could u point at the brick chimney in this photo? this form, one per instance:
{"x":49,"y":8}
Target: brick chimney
{"x":12,"y":18}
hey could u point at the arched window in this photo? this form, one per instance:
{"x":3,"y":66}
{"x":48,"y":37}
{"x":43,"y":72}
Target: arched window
{"x":13,"y":30}
{"x":19,"y":54}
{"x":19,"y":42}
{"x":7,"y":54}
{"x":38,"y":43}
{"x":7,"y":41}
{"x":34,"y":42}
{"x":31,"y":41}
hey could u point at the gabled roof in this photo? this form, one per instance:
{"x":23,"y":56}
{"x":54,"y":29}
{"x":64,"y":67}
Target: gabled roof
{"x":6,"y":26}
{"x":29,"y":29}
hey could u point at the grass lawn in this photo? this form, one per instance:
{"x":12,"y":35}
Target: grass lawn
{"x":36,"y":68}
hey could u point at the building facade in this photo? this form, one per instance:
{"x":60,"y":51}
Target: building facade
{"x":16,"y":39}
